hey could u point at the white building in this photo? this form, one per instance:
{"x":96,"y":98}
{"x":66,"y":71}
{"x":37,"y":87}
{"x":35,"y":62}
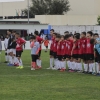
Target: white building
{"x":83,"y":12}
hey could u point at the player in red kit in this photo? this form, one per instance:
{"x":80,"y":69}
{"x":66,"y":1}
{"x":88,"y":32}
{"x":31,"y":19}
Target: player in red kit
{"x":63,"y":54}
{"x":83,"y":50}
{"x":75,"y":51}
{"x":40,"y":40}
{"x":19,"y":49}
{"x":69,"y":56}
{"x":90,"y":52}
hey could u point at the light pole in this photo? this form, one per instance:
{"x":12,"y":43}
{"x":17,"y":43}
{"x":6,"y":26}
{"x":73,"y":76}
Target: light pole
{"x":28,"y":11}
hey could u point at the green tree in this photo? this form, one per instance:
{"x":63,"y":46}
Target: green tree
{"x":48,"y":7}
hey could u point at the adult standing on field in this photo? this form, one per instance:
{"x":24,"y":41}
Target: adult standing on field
{"x":40,"y":40}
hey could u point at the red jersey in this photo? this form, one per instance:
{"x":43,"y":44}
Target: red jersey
{"x":58,"y":48}
{"x":75,"y":50}
{"x":89,"y":47}
{"x":39,"y":39}
{"x":70,"y":46}
{"x":55,"y":46}
{"x":52,"y":43}
{"x":79,"y":47}
{"x":63,"y":47}
{"x":66,"y":47}
{"x":83,"y":45}
{"x":20,"y":42}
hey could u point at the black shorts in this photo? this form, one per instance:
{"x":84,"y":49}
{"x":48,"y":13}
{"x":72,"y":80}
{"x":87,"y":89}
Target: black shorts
{"x":39,"y":54}
{"x":98,"y":57}
{"x":80,"y":56}
{"x":89,"y":56}
{"x":84,"y":57}
{"x":18,"y":53}
{"x":46,"y":47}
{"x":75,"y":56}
{"x":59,"y":57}
{"x":34,"y":58}
{"x":68,"y":56}
{"x":51,"y":53}
{"x":64,"y":57}
{"x":55,"y":55}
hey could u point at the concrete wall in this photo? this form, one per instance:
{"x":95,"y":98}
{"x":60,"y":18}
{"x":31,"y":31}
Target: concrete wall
{"x":83,"y":12}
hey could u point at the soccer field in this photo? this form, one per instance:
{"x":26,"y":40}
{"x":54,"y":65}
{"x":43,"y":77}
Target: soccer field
{"x":43,"y":84}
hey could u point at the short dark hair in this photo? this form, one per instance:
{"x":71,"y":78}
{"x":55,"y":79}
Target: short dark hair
{"x":67,"y":36}
{"x":84,"y":33}
{"x":58,"y":36}
{"x":55,"y":34}
{"x":90,"y":32}
{"x":96,"y":34}
{"x":36,"y":33}
{"x":92,"y":41}
{"x":66,"y":32}
{"x":33,"y":37}
{"x":52,"y":30}
{"x":77,"y":35}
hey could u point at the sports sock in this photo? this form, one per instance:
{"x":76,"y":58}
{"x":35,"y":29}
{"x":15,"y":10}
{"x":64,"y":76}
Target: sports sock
{"x":6,"y":58}
{"x":38,"y":62}
{"x":80,"y":66}
{"x":93,"y":66}
{"x":85,"y":67}
{"x":68,"y":64}
{"x":51,"y":62}
{"x":97,"y":67}
{"x":90,"y":67}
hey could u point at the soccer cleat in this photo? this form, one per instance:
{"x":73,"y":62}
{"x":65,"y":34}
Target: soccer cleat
{"x":98,"y":74}
{"x":54,"y":69}
{"x":62,"y":70}
{"x":49,"y":68}
{"x":21,"y":67}
{"x":32,"y":69}
{"x":10,"y":64}
{"x":18,"y":67}
{"x":71,"y":71}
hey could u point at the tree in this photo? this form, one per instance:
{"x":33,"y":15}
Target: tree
{"x":98,"y":20}
{"x":48,"y":7}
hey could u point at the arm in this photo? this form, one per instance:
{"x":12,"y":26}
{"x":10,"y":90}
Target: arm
{"x":32,"y":44}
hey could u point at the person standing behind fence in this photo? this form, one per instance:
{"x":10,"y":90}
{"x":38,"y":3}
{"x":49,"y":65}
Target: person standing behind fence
{"x":46,"y":42}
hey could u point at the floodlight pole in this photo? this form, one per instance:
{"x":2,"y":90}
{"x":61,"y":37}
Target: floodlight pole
{"x":28,"y":10}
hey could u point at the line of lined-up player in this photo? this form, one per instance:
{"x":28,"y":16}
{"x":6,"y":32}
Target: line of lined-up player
{"x":77,"y":51}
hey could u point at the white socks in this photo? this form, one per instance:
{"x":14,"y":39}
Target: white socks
{"x":38,"y":62}
{"x":93,"y":66}
{"x":68,"y":64}
{"x":63,"y":64}
{"x":85,"y":67}
{"x":51,"y":62}
{"x":97,"y":67}
{"x":79,"y":66}
{"x":90,"y":67}
{"x":6,"y":58}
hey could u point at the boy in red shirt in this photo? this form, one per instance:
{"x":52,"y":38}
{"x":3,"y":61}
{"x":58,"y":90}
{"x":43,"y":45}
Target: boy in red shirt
{"x":90,"y":53}
{"x":75,"y":51}
{"x":83,"y":50}
{"x":52,"y":51}
{"x":19,"y":49}
{"x":63,"y":54}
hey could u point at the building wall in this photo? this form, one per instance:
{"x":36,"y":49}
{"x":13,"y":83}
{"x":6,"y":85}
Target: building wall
{"x":83,"y":12}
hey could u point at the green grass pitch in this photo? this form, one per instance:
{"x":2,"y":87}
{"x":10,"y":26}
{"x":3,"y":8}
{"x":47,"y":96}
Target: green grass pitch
{"x":24,"y":84}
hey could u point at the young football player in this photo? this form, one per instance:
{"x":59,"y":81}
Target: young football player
{"x":35,"y":47}
{"x":83,"y":50}
{"x":90,"y":52}
{"x":19,"y":49}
